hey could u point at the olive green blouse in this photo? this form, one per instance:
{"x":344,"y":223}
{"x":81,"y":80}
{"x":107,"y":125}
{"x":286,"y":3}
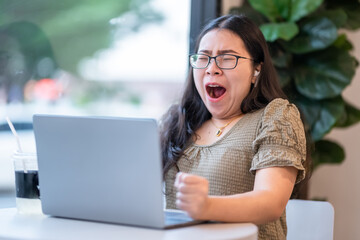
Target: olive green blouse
{"x":272,"y":136}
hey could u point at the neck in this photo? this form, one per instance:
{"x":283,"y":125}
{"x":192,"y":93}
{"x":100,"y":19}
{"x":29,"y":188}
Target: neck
{"x":222,"y":121}
{"x":221,"y":128}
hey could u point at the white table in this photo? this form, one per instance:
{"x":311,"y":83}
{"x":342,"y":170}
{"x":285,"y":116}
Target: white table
{"x":20,"y":226}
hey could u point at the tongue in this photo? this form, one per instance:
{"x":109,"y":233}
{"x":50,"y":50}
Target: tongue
{"x":218,"y":92}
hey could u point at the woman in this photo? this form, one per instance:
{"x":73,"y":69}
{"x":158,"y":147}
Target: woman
{"x":233,"y":148}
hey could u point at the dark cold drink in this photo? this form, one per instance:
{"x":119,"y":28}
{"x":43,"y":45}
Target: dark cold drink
{"x":27,"y":192}
{"x":27,"y":184}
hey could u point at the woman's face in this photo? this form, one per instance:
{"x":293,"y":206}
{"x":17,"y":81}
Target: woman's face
{"x":223,"y":90}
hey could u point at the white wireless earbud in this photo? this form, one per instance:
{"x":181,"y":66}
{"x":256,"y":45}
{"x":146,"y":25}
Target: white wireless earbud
{"x":256,"y":73}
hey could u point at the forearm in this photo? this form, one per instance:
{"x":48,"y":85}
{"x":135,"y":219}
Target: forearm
{"x":256,"y":206}
{"x":272,"y":190}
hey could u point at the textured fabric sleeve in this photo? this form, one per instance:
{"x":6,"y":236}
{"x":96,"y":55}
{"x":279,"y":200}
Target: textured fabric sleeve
{"x":280,"y":139}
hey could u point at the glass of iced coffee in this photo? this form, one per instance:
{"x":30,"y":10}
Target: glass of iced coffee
{"x":27,"y":183}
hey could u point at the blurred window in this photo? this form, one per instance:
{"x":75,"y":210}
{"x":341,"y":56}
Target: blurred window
{"x":88,"y":57}
{"x":104,"y":57}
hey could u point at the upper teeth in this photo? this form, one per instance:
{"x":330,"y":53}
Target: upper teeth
{"x":212,"y":85}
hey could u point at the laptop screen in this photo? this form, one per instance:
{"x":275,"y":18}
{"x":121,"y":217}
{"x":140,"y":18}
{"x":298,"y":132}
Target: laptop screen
{"x":100,"y":168}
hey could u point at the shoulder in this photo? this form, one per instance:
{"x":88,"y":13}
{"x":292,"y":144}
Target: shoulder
{"x":280,"y":139}
{"x":281,"y":123}
{"x":280,"y":113}
{"x":277,"y":107}
{"x":280,"y":108}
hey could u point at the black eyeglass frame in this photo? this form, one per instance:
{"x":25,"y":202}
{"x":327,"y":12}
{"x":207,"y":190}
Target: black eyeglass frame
{"x":209,"y":60}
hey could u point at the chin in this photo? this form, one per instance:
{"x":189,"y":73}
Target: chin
{"x":216,"y":114}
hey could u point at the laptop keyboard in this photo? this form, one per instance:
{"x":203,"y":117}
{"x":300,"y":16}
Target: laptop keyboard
{"x":173,"y":217}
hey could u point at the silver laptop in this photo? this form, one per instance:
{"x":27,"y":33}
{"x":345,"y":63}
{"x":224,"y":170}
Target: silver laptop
{"x":103,"y":169}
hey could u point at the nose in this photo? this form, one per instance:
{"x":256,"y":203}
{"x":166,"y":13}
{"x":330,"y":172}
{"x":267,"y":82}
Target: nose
{"x":213,"y":68}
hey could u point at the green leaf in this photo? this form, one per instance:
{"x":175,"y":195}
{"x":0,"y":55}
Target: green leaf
{"x":353,"y":14}
{"x":324,"y":74}
{"x":283,"y":76}
{"x":343,"y":43}
{"x":315,"y":34}
{"x":352,"y":10}
{"x":250,"y":12}
{"x":327,"y":152}
{"x":268,"y":8}
{"x":320,"y":115}
{"x":280,"y":58}
{"x":337,"y":16}
{"x":350,"y":116}
{"x":301,"y":8}
{"x":283,"y":7}
{"x":274,"y":31}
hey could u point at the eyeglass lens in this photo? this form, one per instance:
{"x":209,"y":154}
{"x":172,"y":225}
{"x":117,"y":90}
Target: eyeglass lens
{"x":222,"y":61}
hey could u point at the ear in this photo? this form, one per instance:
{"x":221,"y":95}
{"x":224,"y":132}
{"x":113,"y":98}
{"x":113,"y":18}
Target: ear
{"x":256,"y":74}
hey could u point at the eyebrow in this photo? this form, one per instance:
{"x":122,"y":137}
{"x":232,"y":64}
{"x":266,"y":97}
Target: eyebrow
{"x":220,"y":51}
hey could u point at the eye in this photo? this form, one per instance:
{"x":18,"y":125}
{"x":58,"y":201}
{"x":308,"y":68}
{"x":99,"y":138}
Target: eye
{"x":202,"y":58}
{"x":228,"y":58}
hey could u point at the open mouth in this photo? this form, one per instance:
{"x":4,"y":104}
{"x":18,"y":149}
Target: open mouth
{"x":215,"y":91}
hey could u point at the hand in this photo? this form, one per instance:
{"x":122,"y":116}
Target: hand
{"x":192,"y":195}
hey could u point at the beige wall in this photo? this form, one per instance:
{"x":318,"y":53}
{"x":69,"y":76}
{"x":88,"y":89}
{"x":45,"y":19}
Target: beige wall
{"x":340,"y":184}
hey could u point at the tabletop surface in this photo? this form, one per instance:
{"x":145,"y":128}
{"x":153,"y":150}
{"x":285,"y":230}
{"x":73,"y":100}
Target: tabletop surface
{"x":21,"y":226}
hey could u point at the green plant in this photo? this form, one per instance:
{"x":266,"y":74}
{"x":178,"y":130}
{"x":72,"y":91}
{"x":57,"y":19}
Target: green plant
{"x":313,"y":61}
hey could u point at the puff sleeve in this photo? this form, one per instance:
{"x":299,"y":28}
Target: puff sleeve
{"x":280,"y":139}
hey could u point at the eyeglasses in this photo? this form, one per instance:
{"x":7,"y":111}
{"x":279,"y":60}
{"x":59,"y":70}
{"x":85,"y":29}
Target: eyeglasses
{"x":223,"y":61}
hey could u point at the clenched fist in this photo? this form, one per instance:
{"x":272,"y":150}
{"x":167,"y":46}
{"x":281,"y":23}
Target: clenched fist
{"x":192,"y":194}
